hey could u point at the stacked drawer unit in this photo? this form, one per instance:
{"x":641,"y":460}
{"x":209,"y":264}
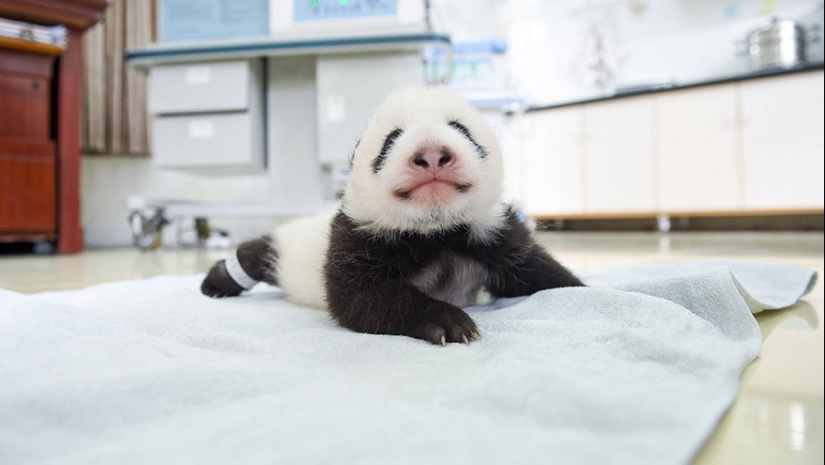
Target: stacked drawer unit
{"x":208,"y":117}
{"x":28,"y":164}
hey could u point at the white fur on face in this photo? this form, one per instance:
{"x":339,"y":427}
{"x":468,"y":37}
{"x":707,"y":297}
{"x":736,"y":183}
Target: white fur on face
{"x":424,"y":115}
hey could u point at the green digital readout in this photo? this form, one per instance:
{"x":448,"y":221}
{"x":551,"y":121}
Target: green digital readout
{"x":320,"y":10}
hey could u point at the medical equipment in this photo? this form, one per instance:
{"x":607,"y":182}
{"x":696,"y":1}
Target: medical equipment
{"x":324,"y":18}
{"x":287,"y":108}
{"x":193,"y":20}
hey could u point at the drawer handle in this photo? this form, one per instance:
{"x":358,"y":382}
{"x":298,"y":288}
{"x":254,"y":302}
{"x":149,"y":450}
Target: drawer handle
{"x":201,"y":129}
{"x":35,"y":85}
{"x":197,"y":75}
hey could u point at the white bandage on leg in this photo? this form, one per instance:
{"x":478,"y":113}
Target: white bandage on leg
{"x":238,"y":274}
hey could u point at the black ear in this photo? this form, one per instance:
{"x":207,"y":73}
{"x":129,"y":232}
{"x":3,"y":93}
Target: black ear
{"x":389,"y":141}
{"x":482,"y":152}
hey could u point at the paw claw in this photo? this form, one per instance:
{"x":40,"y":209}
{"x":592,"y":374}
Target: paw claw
{"x":449,"y":325}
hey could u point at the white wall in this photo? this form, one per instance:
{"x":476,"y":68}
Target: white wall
{"x":107,"y":182}
{"x":687,"y":40}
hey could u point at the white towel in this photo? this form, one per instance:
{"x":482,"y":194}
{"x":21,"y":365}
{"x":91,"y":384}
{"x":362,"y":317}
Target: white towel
{"x":151,"y":371}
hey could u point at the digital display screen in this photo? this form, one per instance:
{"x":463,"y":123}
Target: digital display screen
{"x":314,"y":10}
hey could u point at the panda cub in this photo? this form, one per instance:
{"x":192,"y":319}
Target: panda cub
{"x":421,"y":229}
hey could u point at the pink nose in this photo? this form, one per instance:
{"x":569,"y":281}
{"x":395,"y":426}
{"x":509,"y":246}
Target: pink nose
{"x":432,"y":160}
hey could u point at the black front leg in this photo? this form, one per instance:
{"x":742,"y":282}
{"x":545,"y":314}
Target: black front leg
{"x":518,"y":266}
{"x":392,"y":307}
{"x":368,"y":288}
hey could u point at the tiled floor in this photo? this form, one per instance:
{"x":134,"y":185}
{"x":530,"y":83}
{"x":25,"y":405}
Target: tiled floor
{"x":778,"y":416}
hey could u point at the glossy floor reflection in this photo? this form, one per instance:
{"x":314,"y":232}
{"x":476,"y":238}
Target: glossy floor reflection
{"x":778,"y":415}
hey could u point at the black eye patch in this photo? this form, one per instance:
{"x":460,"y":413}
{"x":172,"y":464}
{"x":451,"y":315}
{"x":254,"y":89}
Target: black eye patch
{"x":389,"y":141}
{"x":482,"y":152}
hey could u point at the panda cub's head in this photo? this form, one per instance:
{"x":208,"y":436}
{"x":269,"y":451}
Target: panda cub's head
{"x":427,"y":162}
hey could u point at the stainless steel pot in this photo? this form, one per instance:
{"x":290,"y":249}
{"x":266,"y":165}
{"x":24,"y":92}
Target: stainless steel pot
{"x":781,"y":43}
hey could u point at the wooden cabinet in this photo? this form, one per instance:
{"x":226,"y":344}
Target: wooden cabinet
{"x":697,"y":141}
{"x":40,"y":125}
{"x":25,"y":95}
{"x":27,"y":157}
{"x":27,"y":189}
{"x":782,"y":137}
{"x":619,"y":157}
{"x":551,"y":171}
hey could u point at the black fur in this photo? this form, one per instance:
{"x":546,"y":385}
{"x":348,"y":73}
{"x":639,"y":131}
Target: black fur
{"x":368,"y":278}
{"x":389,"y":141}
{"x":256,"y":258}
{"x":482,"y":152}
{"x":219,"y":284}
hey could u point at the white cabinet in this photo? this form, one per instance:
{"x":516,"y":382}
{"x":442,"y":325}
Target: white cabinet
{"x":697,"y":141}
{"x":208,"y":142}
{"x":202,"y":87}
{"x":782,"y":136}
{"x":551,"y":171}
{"x":208,"y":117}
{"x":350,"y":88}
{"x":741,"y":148}
{"x":619,"y":157}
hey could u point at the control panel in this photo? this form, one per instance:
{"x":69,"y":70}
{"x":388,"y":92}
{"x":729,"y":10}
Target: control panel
{"x":316,"y":10}
{"x":339,"y":19}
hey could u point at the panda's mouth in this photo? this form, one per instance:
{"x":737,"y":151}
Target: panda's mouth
{"x":434,"y":187}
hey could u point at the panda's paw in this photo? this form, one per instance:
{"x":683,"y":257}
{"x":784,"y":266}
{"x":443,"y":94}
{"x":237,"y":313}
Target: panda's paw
{"x":218,"y":283}
{"x":449,"y":324}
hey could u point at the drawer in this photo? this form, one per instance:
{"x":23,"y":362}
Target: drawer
{"x":25,"y":107}
{"x":203,"y":87}
{"x":26,"y":64}
{"x":27,"y":194}
{"x":27,"y":147}
{"x":216,"y":143}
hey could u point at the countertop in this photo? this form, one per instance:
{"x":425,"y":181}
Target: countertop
{"x":667,"y":87}
{"x":283,"y":45}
